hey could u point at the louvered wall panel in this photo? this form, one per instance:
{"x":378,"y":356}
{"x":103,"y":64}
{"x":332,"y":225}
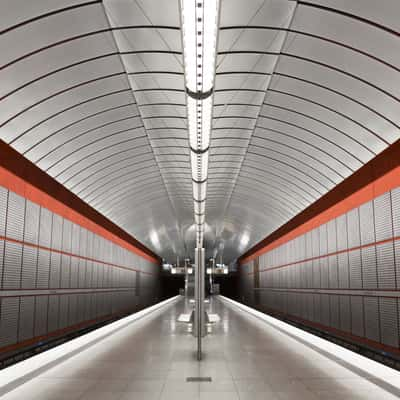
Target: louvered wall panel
{"x":65,"y":271}
{"x":383,"y":217}
{"x":395,"y":196}
{"x":386,"y":265}
{"x":345,"y":313}
{"x":325,"y":309}
{"x":357,"y":316}
{"x":15,"y":221}
{"x":72,"y":309}
{"x":53,"y":313}
{"x":26,"y":318}
{"x":333,"y":272}
{"x":371,"y":312}
{"x":367,"y":227}
{"x":30,"y":253}
{"x":369,"y":269}
{"x":63,"y":311}
{"x":334,"y":311}
{"x":48,"y":251}
{"x":9,"y":320}
{"x":12,"y":265}
{"x":355,"y":277}
{"x":15,"y":217}
{"x":43,"y":265}
{"x":389,"y":320}
{"x":41,"y":306}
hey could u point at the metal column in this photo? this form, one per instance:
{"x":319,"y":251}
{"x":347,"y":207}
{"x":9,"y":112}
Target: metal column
{"x":199,"y":320}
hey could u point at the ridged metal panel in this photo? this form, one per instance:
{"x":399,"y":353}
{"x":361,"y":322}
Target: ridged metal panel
{"x":75,"y":242}
{"x":89,"y":274}
{"x":357,"y":316}
{"x":371,"y":313}
{"x":383,"y":217}
{"x":367,"y":227}
{"x":43,"y":266}
{"x":369,"y":267}
{"x":26,"y":318}
{"x":30,"y":254}
{"x":88,"y":307}
{"x":316,"y":274}
{"x":63,"y":311}
{"x":81,"y":307}
{"x":395,"y":196}
{"x":3,"y":210}
{"x":12,"y":265}
{"x":317,"y":308}
{"x":13,"y":251}
{"x":323,"y":262}
{"x":323,"y":239}
{"x":353,"y":228}
{"x":389,"y":320}
{"x":83,"y":242}
{"x":65,"y":271}
{"x":343,"y":270}
{"x":315,"y":242}
{"x":82,"y":272}
{"x":397,"y":260}
{"x":341,"y":232}
{"x":334,"y":311}
{"x":73,"y":268}
{"x":73,"y":309}
{"x":53,"y":313}
{"x":345,"y":313}
{"x":355,"y":274}
{"x":55,"y":270}
{"x":386,"y":265}
{"x":41,"y":307}
{"x":310,"y":306}
{"x":325,"y":309}
{"x":15,"y":217}
{"x":9,"y":320}
{"x":333,"y":272}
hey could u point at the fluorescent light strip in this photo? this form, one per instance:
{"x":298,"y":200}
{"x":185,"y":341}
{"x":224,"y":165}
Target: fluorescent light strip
{"x":32,"y":364}
{"x":365,"y":364}
{"x":199,"y":37}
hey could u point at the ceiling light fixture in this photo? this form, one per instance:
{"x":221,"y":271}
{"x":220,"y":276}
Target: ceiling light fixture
{"x":199,"y":35}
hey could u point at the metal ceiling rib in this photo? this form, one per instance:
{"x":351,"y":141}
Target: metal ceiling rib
{"x":306,"y":92}
{"x":70,"y":104}
{"x":324,"y":110}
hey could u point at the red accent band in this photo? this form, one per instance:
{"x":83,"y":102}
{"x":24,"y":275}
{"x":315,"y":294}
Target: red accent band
{"x":375,"y":178}
{"x":24,"y":178}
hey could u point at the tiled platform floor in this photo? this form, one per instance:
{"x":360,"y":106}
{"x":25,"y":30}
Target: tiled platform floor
{"x":246,"y":358}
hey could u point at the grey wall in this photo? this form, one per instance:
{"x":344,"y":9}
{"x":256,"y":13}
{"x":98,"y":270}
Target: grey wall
{"x":57,"y":276}
{"x":344,"y":275}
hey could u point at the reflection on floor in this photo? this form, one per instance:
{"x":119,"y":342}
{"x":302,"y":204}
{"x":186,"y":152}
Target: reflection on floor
{"x":246,"y":358}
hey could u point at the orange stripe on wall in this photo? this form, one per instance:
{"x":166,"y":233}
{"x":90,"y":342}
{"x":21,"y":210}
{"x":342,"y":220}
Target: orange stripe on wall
{"x":24,"y":178}
{"x":372,"y":180}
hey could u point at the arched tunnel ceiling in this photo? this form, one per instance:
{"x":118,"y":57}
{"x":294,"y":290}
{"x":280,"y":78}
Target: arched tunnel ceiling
{"x":306,"y":93}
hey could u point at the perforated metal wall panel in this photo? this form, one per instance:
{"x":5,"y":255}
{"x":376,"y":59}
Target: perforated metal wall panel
{"x":383,"y":217}
{"x":45,"y":252}
{"x":389,"y":320}
{"x":9,"y":320}
{"x":41,"y":306}
{"x":30,"y":253}
{"x":371,"y":313}
{"x":363,"y":259}
{"x":26,"y":318}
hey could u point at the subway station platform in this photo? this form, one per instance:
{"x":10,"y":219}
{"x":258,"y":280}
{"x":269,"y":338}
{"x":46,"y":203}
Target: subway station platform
{"x":151,"y":358}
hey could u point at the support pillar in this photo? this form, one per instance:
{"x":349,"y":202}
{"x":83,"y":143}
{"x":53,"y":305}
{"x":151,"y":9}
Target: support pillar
{"x":199,"y":317}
